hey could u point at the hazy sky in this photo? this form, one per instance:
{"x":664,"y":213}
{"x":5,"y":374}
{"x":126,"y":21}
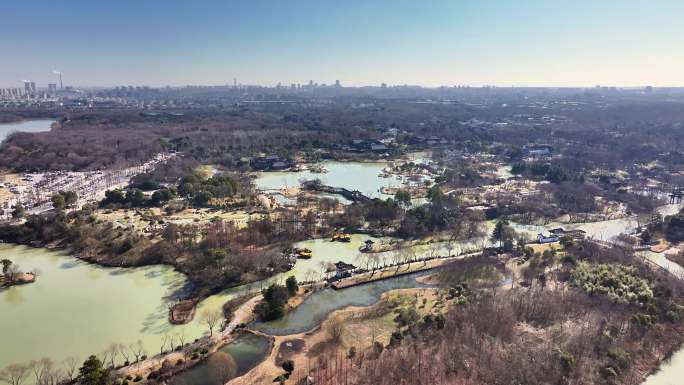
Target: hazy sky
{"x":429,"y":42}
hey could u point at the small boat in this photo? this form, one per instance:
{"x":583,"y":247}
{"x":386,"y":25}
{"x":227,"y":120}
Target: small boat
{"x":341,"y":237}
{"x":303,"y":253}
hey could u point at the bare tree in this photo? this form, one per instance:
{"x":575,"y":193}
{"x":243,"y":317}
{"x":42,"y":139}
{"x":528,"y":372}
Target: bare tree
{"x":398,"y":256}
{"x":335,"y":329}
{"x":450,"y":245}
{"x":40,"y":368}
{"x":14,"y":374}
{"x":113,"y":352}
{"x":211,"y":318}
{"x":123,"y":351}
{"x":181,"y":338}
{"x":137,"y":350}
{"x":70,"y":365}
{"x":165,"y":340}
{"x":433,"y":251}
{"x":46,"y":373}
{"x":309,"y":276}
{"x":12,"y":273}
{"x":53,"y":376}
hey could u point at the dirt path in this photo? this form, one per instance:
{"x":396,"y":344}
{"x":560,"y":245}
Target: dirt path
{"x":243,"y":314}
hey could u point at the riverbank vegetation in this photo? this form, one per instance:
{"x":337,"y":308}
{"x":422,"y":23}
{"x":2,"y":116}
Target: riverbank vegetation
{"x":592,"y":315}
{"x":213,"y":256}
{"x":12,"y":274}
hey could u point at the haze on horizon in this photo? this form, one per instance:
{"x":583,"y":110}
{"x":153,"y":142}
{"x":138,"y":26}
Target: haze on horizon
{"x":507,"y":43}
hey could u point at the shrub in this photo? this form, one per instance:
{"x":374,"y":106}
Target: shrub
{"x":619,"y":357}
{"x":618,"y":282}
{"x":567,"y":361}
{"x":609,"y":372}
{"x":377,"y":347}
{"x":644,"y":320}
{"x":570,"y":260}
{"x":288,"y":366}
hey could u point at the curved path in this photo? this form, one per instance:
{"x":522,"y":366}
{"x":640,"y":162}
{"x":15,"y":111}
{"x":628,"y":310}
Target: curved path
{"x":241,"y":315}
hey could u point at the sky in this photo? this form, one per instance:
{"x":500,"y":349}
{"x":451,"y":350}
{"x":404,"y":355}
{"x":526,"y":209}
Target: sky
{"x":428,"y":42}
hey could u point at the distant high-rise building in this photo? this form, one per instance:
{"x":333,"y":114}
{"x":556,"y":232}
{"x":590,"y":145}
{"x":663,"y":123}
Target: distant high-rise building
{"x":383,"y":85}
{"x":29,"y":88}
{"x":52,"y":88}
{"x":337,"y":83}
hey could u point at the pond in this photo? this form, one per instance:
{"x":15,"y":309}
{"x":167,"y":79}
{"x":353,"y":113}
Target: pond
{"x":361,"y":176}
{"x":248,"y":350}
{"x":39,"y":125}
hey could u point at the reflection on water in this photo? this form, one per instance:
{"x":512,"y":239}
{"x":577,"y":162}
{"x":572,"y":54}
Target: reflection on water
{"x":247,"y":351}
{"x":12,"y":295}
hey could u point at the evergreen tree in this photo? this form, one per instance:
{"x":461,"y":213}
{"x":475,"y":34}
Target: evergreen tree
{"x":93,"y":372}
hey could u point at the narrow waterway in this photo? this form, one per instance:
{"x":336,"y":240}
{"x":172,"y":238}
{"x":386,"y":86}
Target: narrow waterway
{"x":317,"y":306}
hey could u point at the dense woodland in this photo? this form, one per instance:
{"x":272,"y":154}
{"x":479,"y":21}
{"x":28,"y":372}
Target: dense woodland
{"x":607,"y":132}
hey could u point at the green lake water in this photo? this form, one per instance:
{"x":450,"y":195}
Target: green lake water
{"x":361,"y":176}
{"x":77,"y":309}
{"x":248,"y":350}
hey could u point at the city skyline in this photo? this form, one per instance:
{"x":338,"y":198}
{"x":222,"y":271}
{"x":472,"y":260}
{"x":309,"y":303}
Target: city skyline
{"x":525,"y":43}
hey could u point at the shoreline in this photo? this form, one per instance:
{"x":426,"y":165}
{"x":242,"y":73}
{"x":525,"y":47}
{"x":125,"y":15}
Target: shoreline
{"x":23,"y":279}
{"x":196,"y":299}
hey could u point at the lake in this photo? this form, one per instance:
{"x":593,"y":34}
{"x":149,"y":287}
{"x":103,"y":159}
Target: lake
{"x":77,"y":309}
{"x":361,"y":176}
{"x":39,"y":125}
